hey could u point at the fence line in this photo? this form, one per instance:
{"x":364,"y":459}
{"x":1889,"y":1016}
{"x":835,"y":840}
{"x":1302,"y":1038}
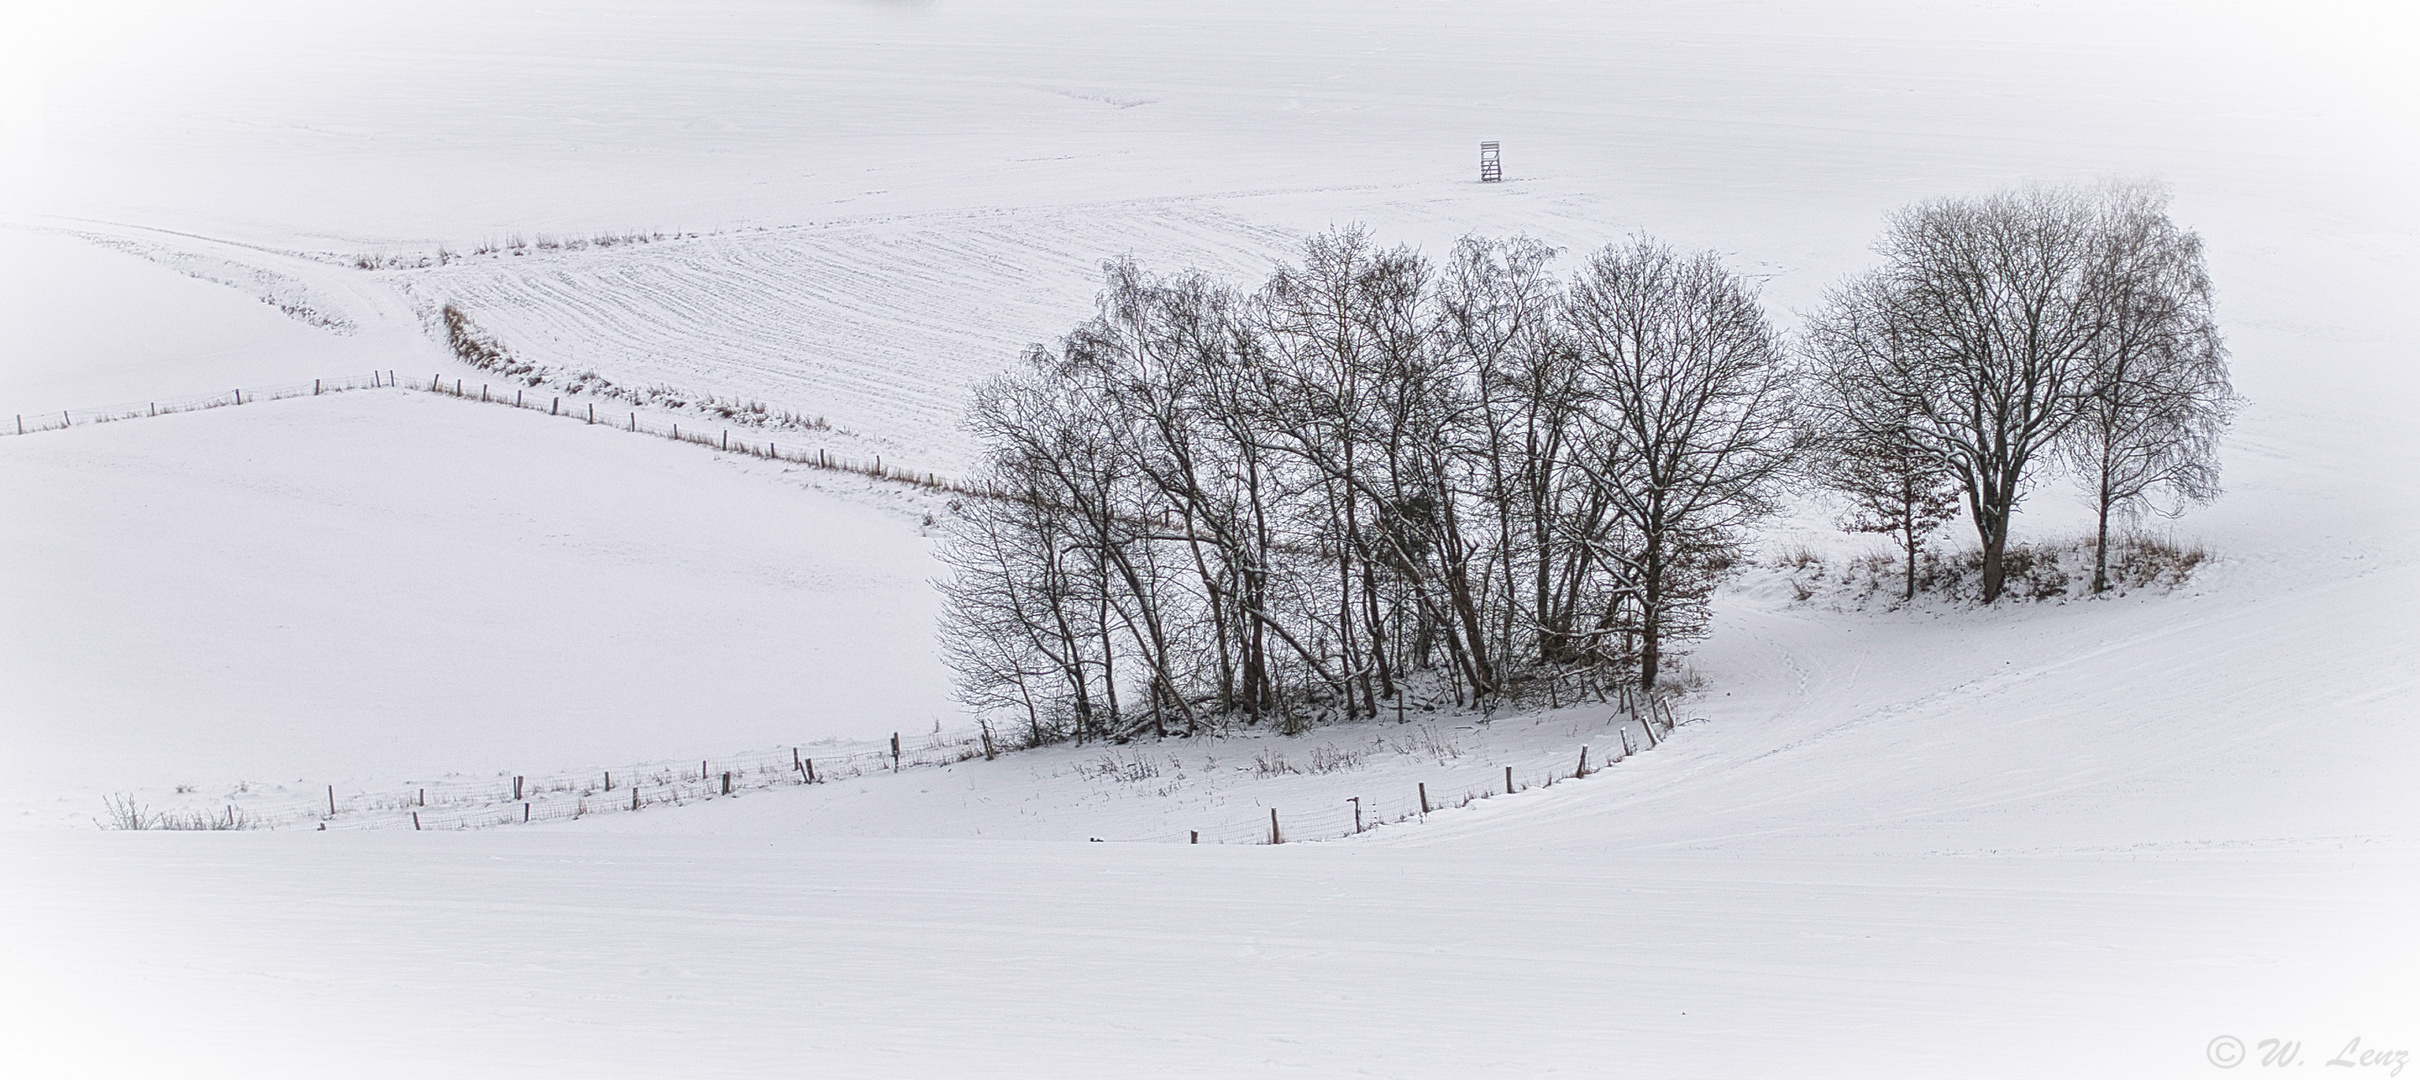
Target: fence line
{"x":30,"y":423}
{"x":582,"y":411}
{"x":1359,"y":814}
{"x":505,"y":799}
{"x":457,"y":803}
{"x":707,"y":436}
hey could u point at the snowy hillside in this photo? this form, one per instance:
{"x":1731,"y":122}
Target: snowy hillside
{"x":383,"y":585}
{"x":2089,"y":838}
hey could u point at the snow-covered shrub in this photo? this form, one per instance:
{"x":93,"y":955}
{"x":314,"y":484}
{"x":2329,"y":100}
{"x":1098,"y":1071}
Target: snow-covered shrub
{"x":124,"y":813}
{"x":1132,"y":768}
{"x":2052,"y":570}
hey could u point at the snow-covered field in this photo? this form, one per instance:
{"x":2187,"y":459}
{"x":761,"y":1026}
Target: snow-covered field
{"x":381,"y":587}
{"x":2089,"y":838}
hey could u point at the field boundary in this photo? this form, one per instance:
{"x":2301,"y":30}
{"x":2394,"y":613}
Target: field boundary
{"x":553,"y":405}
{"x":457,"y":802}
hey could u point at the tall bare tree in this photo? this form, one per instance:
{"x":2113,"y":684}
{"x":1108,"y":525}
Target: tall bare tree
{"x":1693,"y":420}
{"x":1500,"y":309}
{"x":1018,"y":624}
{"x":2160,"y":397}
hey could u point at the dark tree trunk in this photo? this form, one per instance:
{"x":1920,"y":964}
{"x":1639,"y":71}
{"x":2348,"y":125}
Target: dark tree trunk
{"x":1911,"y":560}
{"x":2100,"y":544}
{"x":1995,"y":548}
{"x":1651,"y":619}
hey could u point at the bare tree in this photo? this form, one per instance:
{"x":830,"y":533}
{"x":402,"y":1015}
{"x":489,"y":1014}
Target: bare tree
{"x":2160,"y":396}
{"x":1693,"y":421}
{"x":1342,"y":379}
{"x":1865,"y":447}
{"x":1015,"y":618}
{"x":1001,"y":630}
{"x":1500,"y":310}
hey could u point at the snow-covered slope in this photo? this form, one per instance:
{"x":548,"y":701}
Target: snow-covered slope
{"x":2094,"y":839}
{"x":2098,"y":838}
{"x":381,"y":586}
{"x":96,"y":317}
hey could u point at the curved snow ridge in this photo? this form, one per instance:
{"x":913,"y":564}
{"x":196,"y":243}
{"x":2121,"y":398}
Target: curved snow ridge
{"x":307,"y":288}
{"x":284,"y":292}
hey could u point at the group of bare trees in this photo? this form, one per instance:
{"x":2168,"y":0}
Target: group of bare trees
{"x":2002,"y":332}
{"x":1375,"y":478}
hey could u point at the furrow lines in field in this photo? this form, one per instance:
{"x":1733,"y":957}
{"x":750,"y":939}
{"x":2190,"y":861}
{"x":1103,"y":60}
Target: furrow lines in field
{"x":884,"y":328}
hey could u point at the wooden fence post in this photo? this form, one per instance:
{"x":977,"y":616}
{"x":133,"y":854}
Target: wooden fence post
{"x":894,"y":751}
{"x":331,"y":800}
{"x":634,"y":796}
{"x":415,"y":821}
{"x":1356,"y":801}
{"x":810,"y":770}
{"x":1275,"y":836}
{"x":1508,"y":788}
{"x":1583,"y":771}
{"x":726,"y":782}
{"x":516,"y":789}
{"x":609,"y":781}
{"x":1197,"y":837}
{"x":1424,"y":799}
